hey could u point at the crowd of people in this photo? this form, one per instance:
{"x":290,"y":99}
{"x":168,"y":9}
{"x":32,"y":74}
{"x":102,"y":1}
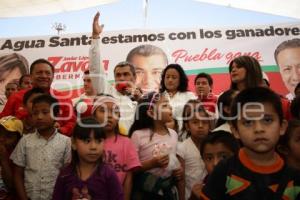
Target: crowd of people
{"x":123,"y":142}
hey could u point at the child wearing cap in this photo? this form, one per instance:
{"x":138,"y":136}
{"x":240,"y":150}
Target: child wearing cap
{"x":10,"y":133}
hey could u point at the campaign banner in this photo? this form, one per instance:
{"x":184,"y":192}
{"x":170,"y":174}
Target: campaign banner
{"x":203,"y":49}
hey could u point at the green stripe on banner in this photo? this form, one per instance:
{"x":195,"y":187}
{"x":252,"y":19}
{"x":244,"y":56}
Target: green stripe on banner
{"x":221,"y":70}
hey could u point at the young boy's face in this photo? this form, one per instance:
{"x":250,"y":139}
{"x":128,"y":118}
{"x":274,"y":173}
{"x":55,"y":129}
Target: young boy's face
{"x":42,"y":116}
{"x":213,"y":154}
{"x":259,"y":128}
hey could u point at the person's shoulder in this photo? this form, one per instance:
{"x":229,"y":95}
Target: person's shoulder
{"x":19,"y":94}
{"x":30,"y":136}
{"x":294,"y":174}
{"x":173,"y":133}
{"x":61,"y":136}
{"x":140,"y":132}
{"x":106,"y":170}
{"x":123,"y":139}
{"x":66,"y":171}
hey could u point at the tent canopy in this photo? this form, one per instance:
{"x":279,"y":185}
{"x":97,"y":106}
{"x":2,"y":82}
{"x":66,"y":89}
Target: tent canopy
{"x":22,"y":8}
{"x":287,"y":8}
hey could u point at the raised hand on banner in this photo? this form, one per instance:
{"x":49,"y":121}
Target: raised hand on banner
{"x":97,"y":28}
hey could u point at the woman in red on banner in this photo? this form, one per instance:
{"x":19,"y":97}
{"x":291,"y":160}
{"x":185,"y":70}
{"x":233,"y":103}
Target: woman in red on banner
{"x":42,"y":73}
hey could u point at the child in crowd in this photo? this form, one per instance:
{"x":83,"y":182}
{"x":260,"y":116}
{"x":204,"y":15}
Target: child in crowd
{"x":196,"y":122}
{"x":28,"y":126}
{"x":224,"y":104}
{"x":11,"y":130}
{"x":257,"y":172}
{"x":119,"y":151}
{"x":289,"y":144}
{"x":38,"y":157}
{"x":216,"y":146}
{"x":87,"y":177}
{"x":156,"y":146}
{"x":203,"y":87}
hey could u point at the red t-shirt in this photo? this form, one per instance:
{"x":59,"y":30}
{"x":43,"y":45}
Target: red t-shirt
{"x":209,"y":102}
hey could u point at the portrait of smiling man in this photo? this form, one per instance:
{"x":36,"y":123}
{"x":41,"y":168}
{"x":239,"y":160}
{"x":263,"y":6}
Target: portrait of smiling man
{"x":149,"y":62}
{"x":287,"y":56}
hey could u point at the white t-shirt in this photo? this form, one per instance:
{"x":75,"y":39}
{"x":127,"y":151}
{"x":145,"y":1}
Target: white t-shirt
{"x":195,"y":170}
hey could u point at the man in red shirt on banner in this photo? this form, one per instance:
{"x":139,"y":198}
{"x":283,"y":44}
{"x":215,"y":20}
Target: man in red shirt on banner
{"x":42,"y":74}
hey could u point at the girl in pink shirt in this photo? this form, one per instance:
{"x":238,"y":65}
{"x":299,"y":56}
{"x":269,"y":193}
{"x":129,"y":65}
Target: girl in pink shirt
{"x":119,"y":152}
{"x":156,"y":144}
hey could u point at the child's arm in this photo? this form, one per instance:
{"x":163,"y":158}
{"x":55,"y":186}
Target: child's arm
{"x":127,"y":185}
{"x":97,"y":72}
{"x":6,"y":172}
{"x":19,"y":182}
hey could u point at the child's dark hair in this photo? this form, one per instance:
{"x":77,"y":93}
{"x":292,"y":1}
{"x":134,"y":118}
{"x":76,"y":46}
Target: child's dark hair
{"x":183,"y":80}
{"x":141,"y":119}
{"x":222,"y":137}
{"x":225,"y":99}
{"x":284,"y":139}
{"x":295,"y":108}
{"x":189,"y":109}
{"x":255,"y":95}
{"x":204,"y":75}
{"x":82,"y":131}
{"x":29,"y":93}
{"x":46,"y":98}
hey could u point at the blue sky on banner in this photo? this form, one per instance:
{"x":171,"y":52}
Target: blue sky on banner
{"x":128,"y":14}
